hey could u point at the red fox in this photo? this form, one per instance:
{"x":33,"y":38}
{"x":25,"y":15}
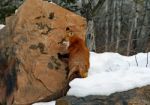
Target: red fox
{"x":78,"y":60}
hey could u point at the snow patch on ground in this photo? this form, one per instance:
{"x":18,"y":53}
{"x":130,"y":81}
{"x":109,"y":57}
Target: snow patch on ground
{"x":1,"y":26}
{"x":45,"y":103}
{"x":112,"y":72}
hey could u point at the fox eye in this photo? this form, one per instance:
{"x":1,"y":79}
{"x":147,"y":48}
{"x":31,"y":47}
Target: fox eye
{"x":70,"y":34}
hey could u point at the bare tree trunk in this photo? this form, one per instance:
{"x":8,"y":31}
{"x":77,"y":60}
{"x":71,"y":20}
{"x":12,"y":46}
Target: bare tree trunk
{"x":118,"y":24}
{"x":136,"y":61}
{"x":90,"y":39}
{"x":97,"y":7}
{"x":106,"y":27}
{"x":130,"y":39}
{"x":113,"y":21}
{"x":89,"y":7}
{"x":133,"y":27}
{"x":142,"y":32}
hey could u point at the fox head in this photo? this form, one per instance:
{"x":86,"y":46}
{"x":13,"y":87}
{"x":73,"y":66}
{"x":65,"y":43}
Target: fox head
{"x":66,"y":40}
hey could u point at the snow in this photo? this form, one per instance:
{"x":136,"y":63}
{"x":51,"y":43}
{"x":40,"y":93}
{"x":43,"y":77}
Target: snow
{"x":1,"y":26}
{"x":45,"y":103}
{"x":110,"y":73}
{"x":52,"y":2}
{"x":16,"y":11}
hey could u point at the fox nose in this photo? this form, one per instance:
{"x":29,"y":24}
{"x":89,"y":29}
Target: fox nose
{"x":66,"y":43}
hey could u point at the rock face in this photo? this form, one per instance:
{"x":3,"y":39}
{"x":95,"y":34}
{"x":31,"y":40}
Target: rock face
{"x":33,"y":35}
{"x":138,"y":96}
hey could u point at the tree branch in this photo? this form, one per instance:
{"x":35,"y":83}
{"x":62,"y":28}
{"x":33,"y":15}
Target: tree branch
{"x":98,"y":6}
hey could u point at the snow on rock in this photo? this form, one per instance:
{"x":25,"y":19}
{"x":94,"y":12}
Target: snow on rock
{"x":45,"y":103}
{"x":1,"y":26}
{"x":110,"y":73}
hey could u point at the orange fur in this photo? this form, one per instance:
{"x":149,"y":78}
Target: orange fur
{"x":78,"y":56}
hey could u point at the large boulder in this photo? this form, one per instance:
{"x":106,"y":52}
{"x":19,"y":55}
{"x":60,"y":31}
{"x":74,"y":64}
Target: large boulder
{"x":33,"y":35}
{"x":138,"y":96}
